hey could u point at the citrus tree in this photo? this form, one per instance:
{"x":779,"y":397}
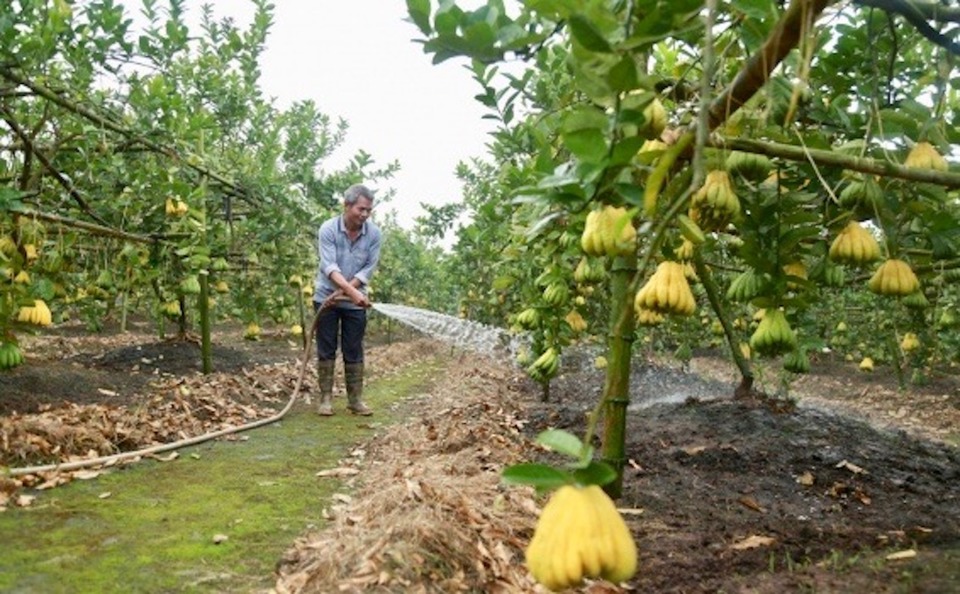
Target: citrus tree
{"x":764,"y":162}
{"x":143,"y":169}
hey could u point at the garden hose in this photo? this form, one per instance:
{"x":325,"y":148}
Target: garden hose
{"x":114,"y":458}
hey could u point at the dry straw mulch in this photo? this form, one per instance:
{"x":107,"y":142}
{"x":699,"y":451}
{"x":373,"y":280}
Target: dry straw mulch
{"x":430,"y":513}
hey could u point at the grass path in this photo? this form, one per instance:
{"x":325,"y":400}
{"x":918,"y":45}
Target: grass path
{"x":150,"y":527}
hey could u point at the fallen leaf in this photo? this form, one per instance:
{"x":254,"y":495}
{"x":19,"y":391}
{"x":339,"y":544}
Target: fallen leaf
{"x":104,"y":495}
{"x":806,"y":479}
{"x":168,"y":458}
{"x":851,"y":467}
{"x":901,"y":555}
{"x":751,"y":503}
{"x":693,"y":450}
{"x":753,"y":542}
{"x":630,"y":511}
{"x":25,"y":500}
{"x":219,"y":538}
{"x":342,"y":498}
{"x":85,"y":475}
{"x":106,"y":392}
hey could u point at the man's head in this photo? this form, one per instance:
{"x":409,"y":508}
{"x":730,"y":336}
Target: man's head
{"x":357,"y":205}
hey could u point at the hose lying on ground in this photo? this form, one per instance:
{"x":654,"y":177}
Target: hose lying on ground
{"x":114,"y":458}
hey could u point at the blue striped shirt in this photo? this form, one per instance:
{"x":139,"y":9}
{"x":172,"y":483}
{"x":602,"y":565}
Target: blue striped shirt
{"x":353,"y":259}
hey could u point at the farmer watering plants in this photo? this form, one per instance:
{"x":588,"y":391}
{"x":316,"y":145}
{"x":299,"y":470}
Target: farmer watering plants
{"x":349,"y":249}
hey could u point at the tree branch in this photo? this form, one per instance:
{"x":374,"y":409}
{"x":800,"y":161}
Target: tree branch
{"x":917,"y":14}
{"x":948,"y":179}
{"x":756,"y":72}
{"x":67,"y":184}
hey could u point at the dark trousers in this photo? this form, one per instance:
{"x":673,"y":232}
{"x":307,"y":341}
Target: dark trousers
{"x":347,"y":325}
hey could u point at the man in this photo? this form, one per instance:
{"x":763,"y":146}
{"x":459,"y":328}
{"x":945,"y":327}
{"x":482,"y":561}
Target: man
{"x":349,"y":247}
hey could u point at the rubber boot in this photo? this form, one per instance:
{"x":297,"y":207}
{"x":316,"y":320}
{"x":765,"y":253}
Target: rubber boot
{"x":353,"y":373}
{"x":325,"y":382}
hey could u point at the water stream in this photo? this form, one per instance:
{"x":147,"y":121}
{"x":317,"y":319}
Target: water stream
{"x":467,"y":334}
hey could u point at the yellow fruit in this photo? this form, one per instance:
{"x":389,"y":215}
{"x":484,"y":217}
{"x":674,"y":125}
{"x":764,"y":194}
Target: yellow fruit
{"x":221,"y":287}
{"x":666,"y":292}
{"x":924,"y":156}
{"x":23,"y":278}
{"x":895,"y":278}
{"x":608,"y":232}
{"x":655,"y":116}
{"x":715,"y":204}
{"x":580,"y":534}
{"x":576,"y":321}
{"x":910,"y":342}
{"x":252,"y":331}
{"x":796,"y":269}
{"x":866,"y":364}
{"x":30,"y":251}
{"x":296,"y":330}
{"x":646,"y":317}
{"x":600,"y":362}
{"x":854,"y":245}
{"x":295,"y":281}
{"x":773,"y":335}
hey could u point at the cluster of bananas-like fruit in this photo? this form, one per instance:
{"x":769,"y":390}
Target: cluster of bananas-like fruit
{"x":797,"y":361}
{"x":546,"y":365}
{"x":861,"y":196}
{"x":528,"y":318}
{"x":175,"y":207}
{"x":10,"y":355}
{"x":589,"y":272}
{"x":745,"y":286}
{"x":172,"y":309}
{"x":608,"y":232}
{"x":715,"y":204}
{"x":854,"y":245}
{"x":190,"y":285}
{"x":910,"y":342}
{"x":774,"y":334}
{"x":667,"y":291}
{"x":38,"y":314}
{"x":580,"y":534}
{"x":924,"y":156}
{"x":749,"y":165}
{"x":556,"y":293}
{"x":221,"y":286}
{"x":895,"y":278}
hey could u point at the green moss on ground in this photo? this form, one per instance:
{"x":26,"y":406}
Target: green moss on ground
{"x":155,"y":530}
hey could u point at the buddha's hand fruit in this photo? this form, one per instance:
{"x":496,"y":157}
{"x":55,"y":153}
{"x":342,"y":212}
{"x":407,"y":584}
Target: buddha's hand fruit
{"x":580,"y":534}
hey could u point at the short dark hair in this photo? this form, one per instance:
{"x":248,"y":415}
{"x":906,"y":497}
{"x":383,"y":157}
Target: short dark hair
{"x":357,"y":191}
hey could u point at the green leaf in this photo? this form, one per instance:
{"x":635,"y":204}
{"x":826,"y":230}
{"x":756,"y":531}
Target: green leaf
{"x":419,"y":11}
{"x":540,"y":476}
{"x":623,"y":76}
{"x":587,"y":35}
{"x":589,"y":145}
{"x":562,"y":442}
{"x":595,"y":473}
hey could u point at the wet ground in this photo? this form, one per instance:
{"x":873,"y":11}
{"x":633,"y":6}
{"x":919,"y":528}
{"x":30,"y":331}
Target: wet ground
{"x":731,"y":496}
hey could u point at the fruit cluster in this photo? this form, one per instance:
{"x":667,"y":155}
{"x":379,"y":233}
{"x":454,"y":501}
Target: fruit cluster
{"x":576,"y":321}
{"x":667,"y":291}
{"x":252,"y":331}
{"x":749,"y":165}
{"x":854,"y":245}
{"x":608,"y":232}
{"x":745,"y":286}
{"x":894,"y":277}
{"x":715,"y":204}
{"x":38,"y":314}
{"x":546,"y":365}
{"x":556,"y":294}
{"x":10,"y":355}
{"x":175,"y":207}
{"x":580,"y":534}
{"x":589,"y":272}
{"x":774,"y":334}
{"x":924,"y":156}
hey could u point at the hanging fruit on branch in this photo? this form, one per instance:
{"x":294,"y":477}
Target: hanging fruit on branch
{"x":894,"y":278}
{"x":608,"y":232}
{"x":580,"y":534}
{"x":715,"y":205}
{"x":773,"y":335}
{"x":667,"y":292}
{"x":854,"y":245}
{"x":924,"y":156}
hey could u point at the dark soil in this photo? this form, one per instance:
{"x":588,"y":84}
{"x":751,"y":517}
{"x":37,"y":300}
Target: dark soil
{"x":736,"y":496}
{"x":829,"y":495}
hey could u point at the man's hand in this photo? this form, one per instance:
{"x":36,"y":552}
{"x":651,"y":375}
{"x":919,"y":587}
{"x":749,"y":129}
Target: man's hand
{"x":357,"y":297}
